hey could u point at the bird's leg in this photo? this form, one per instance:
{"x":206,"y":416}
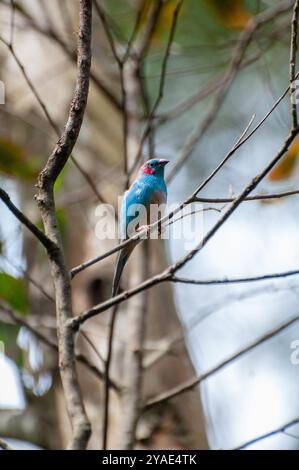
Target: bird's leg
{"x":146,"y":228}
{"x":161,"y":229}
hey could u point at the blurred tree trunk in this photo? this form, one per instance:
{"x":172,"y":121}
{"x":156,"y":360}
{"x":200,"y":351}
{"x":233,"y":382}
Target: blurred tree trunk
{"x":180,"y":423}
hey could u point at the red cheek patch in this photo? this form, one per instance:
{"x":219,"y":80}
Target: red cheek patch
{"x":148,"y":170}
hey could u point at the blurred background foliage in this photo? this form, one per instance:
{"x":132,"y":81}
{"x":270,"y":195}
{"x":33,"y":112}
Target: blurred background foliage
{"x":261,"y":238}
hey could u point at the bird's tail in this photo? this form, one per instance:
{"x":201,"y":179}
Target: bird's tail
{"x":123,"y":256}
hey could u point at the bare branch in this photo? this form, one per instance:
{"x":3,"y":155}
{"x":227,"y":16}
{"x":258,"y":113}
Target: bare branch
{"x":53,"y":125}
{"x":107,"y":29}
{"x":211,"y":87}
{"x":45,"y":198}
{"x":12,"y":21}
{"x":52,"y":34}
{"x":159,"y":97}
{"x":293,"y":53}
{"x":77,"y":321}
{"x":191,"y":383}
{"x":30,"y":85}
{"x":131,"y":92}
{"x":193,"y":197}
{"x":279,"y":430}
{"x":167,"y":274}
{"x":240,"y":280}
{"x":167,"y":347}
{"x":142,"y":44}
{"x":258,"y":197}
{"x":133,"y":35}
{"x":245,"y":39}
{"x":246,"y":191}
{"x":21,"y":320}
{"x":45,"y":241}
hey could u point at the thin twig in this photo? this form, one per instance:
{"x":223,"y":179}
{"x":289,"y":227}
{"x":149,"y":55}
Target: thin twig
{"x":246,"y":191}
{"x":237,"y":280}
{"x":30,"y":85}
{"x":142,"y":44}
{"x":52,"y":34}
{"x":206,"y":312}
{"x":12,"y":21}
{"x":133,"y":35}
{"x":193,"y":212}
{"x":278,"y":430}
{"x":293,"y":54}
{"x":45,"y":241}
{"x":191,"y":383}
{"x":159,"y":97}
{"x":212,"y":86}
{"x":92,"y":345}
{"x":54,"y":126}
{"x":103,"y":16}
{"x":258,"y":197}
{"x":168,"y":273}
{"x":238,"y":55}
{"x":21,"y":320}
{"x":81,"y":428}
{"x":192,"y":198}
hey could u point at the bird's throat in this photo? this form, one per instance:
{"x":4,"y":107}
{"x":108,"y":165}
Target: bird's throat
{"x":148,"y":171}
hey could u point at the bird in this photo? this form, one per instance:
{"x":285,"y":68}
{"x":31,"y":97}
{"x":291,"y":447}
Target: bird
{"x":148,"y":188}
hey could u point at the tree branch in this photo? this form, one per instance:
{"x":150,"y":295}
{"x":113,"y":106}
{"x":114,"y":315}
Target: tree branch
{"x":191,"y":383}
{"x":257,"y":197}
{"x":48,"y":244}
{"x":279,"y":430}
{"x":168,"y":273}
{"x":293,"y":53}
{"x":45,"y":198}
{"x":48,"y":117}
{"x":193,"y":197}
{"x":52,"y":34}
{"x":149,"y":123}
{"x":240,"y":280}
{"x":238,"y":55}
{"x":20,"y":320}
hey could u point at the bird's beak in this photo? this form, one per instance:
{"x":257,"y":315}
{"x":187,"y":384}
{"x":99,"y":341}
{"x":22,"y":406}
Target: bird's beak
{"x":163,"y":162}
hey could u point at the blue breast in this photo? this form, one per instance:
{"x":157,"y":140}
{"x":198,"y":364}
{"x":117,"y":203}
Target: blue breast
{"x":147,"y":190}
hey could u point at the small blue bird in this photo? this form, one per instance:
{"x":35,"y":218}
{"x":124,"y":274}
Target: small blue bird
{"x":149,"y":188}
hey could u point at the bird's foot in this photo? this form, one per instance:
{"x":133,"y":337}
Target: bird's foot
{"x":146,"y":229}
{"x":161,"y":229}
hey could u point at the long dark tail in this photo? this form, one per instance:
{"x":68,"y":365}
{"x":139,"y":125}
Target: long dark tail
{"x":123,"y":256}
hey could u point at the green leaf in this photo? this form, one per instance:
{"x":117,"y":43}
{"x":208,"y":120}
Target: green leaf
{"x":8,"y":336}
{"x":15,"y":162}
{"x":61,"y":219}
{"x":13,"y":291}
{"x":60,"y":180}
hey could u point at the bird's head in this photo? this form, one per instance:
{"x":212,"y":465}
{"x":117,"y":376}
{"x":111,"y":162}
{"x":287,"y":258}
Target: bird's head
{"x":154,"y":166}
